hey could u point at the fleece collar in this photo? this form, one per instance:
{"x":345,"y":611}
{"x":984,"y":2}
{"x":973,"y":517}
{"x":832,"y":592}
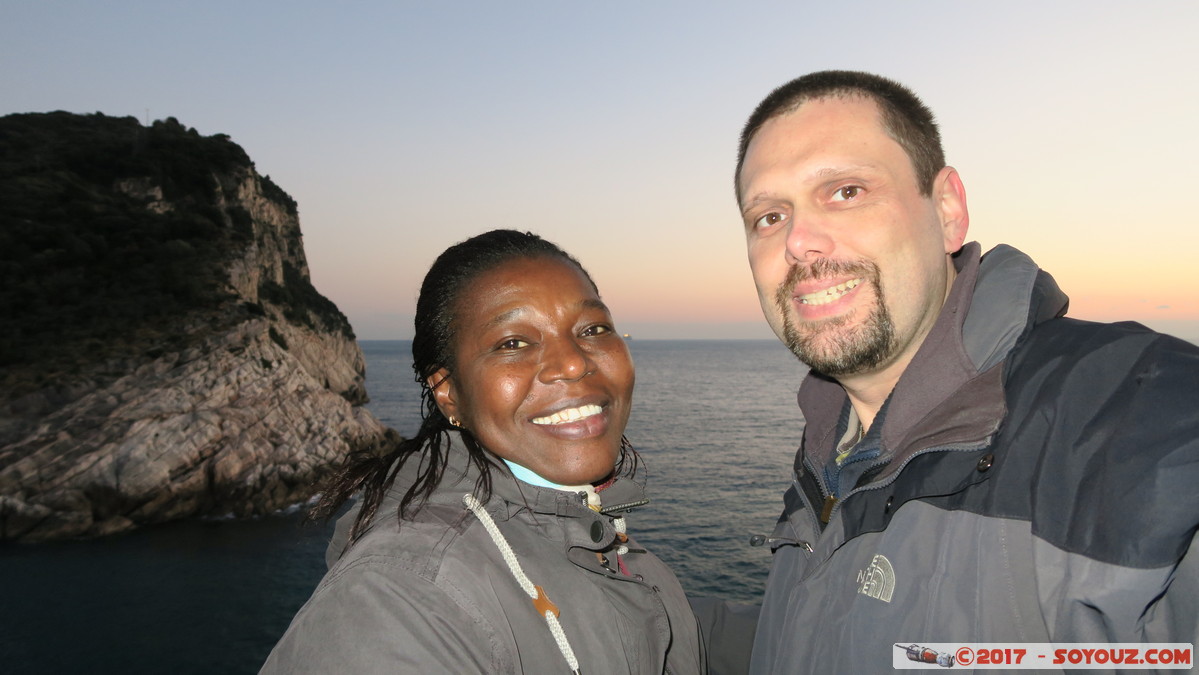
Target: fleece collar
{"x":952,"y":391}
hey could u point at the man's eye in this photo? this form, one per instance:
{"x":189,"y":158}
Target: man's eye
{"x":770,"y":219}
{"x":846,"y":193}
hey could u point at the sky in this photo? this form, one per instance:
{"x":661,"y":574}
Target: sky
{"x":611,"y":128}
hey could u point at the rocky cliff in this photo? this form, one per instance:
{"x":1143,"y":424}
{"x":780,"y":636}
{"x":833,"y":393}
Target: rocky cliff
{"x":164,"y":354}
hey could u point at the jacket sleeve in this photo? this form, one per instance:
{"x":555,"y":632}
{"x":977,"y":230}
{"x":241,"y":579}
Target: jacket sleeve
{"x":379,"y":617}
{"x":1088,"y":601}
{"x":1176,"y":616}
{"x":727,"y":630}
{"x":1116,"y":509}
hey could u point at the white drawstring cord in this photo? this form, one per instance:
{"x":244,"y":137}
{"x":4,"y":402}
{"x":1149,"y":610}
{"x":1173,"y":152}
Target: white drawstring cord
{"x":619,"y":523}
{"x":540,"y":600}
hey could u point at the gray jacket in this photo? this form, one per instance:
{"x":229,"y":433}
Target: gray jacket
{"x":1034,"y":481}
{"x":435,"y":595}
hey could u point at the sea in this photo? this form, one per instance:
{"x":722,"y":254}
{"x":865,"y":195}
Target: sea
{"x":715,"y":424}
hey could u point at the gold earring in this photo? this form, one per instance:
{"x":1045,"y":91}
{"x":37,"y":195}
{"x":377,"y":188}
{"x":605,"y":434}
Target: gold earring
{"x":454,"y":422}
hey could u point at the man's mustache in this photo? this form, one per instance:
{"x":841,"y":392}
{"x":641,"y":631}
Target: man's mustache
{"x":823,"y":268}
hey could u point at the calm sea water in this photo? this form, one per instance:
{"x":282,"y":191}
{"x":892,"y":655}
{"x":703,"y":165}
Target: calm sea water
{"x":715,"y":423}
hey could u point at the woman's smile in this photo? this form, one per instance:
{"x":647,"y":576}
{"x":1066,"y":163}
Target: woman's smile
{"x":569,"y":415}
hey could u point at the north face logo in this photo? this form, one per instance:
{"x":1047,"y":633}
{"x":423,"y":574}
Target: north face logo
{"x":878,"y":580}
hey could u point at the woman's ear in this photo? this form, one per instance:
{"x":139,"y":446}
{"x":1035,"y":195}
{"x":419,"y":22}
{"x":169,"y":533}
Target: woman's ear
{"x":443,"y":393}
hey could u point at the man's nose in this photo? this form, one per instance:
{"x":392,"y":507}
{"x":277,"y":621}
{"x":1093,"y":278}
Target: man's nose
{"x":808,"y":238}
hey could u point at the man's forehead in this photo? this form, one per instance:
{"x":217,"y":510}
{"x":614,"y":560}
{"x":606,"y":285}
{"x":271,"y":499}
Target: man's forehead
{"x":860,"y":112}
{"x":841,"y":108}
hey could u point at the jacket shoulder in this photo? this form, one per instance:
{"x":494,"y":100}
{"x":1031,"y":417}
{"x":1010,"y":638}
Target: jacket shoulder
{"x":385,"y":609}
{"x":419,"y":543}
{"x":1104,"y":421}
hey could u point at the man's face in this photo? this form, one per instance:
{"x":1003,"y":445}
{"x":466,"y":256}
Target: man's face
{"x":849,"y":258}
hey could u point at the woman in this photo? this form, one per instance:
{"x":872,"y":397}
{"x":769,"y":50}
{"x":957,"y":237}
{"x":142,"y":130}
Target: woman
{"x":494,"y":541}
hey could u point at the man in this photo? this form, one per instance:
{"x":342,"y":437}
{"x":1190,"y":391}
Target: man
{"x":975,"y":467}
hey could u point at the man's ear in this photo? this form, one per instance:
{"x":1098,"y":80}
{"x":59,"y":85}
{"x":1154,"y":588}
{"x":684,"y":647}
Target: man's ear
{"x":950,"y":198}
{"x":444,"y":394}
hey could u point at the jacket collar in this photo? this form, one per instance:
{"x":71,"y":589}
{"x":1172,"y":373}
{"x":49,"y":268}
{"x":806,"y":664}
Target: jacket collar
{"x":993,"y":303}
{"x":510,"y":496}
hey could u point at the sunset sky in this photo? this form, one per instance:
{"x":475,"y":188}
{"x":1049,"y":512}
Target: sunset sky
{"x":611,"y":128}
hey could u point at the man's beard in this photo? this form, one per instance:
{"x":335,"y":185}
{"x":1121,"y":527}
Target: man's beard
{"x":828,"y":346}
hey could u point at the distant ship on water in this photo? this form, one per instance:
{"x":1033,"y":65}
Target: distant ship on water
{"x":627,"y":336}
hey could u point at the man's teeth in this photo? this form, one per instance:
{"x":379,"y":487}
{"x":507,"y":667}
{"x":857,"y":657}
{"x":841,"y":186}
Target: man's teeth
{"x":829,"y":294}
{"x":569,"y":415}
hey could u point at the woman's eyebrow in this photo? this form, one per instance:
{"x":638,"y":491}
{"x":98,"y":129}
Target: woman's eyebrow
{"x":509,"y":315}
{"x":504,"y":317}
{"x":594,"y":303}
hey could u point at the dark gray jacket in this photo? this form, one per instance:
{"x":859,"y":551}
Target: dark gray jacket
{"x":434,"y":595}
{"x":1036,"y":482}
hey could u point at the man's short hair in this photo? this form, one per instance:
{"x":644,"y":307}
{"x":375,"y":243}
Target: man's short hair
{"x":904,"y":116}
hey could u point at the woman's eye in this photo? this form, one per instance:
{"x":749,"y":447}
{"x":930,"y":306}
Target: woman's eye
{"x":598,"y":329}
{"x":846,"y":193}
{"x":513,"y":343}
{"x":769,"y":220}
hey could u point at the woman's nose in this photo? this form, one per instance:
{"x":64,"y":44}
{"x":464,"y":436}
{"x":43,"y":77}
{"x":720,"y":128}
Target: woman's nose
{"x":564,"y":359}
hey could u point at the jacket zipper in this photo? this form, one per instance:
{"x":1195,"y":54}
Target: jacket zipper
{"x":809,"y":506}
{"x":623,"y":507}
{"x":833,"y":504}
{"x":836,"y":503}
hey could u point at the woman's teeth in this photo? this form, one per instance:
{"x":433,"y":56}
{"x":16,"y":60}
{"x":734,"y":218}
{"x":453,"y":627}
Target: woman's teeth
{"x":569,"y":415}
{"x":829,"y":294}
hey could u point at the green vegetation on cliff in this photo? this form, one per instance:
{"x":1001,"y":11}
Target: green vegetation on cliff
{"x":114,"y":236}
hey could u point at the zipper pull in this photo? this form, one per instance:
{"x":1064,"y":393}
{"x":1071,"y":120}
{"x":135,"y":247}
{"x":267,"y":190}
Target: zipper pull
{"x":827,"y":512}
{"x":760,"y":539}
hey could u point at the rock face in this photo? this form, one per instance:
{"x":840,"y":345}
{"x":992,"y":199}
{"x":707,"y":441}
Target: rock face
{"x":237,"y":403}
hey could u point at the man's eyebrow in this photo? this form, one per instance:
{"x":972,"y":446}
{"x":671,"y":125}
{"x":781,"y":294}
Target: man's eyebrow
{"x":838,"y":171}
{"x":757,"y":199}
{"x":819,"y":175}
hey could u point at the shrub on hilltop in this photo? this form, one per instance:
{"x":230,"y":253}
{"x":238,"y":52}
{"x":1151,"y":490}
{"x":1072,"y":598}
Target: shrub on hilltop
{"x":89,"y":269}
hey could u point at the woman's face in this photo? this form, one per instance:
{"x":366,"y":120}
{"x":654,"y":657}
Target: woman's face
{"x":542,"y":379}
